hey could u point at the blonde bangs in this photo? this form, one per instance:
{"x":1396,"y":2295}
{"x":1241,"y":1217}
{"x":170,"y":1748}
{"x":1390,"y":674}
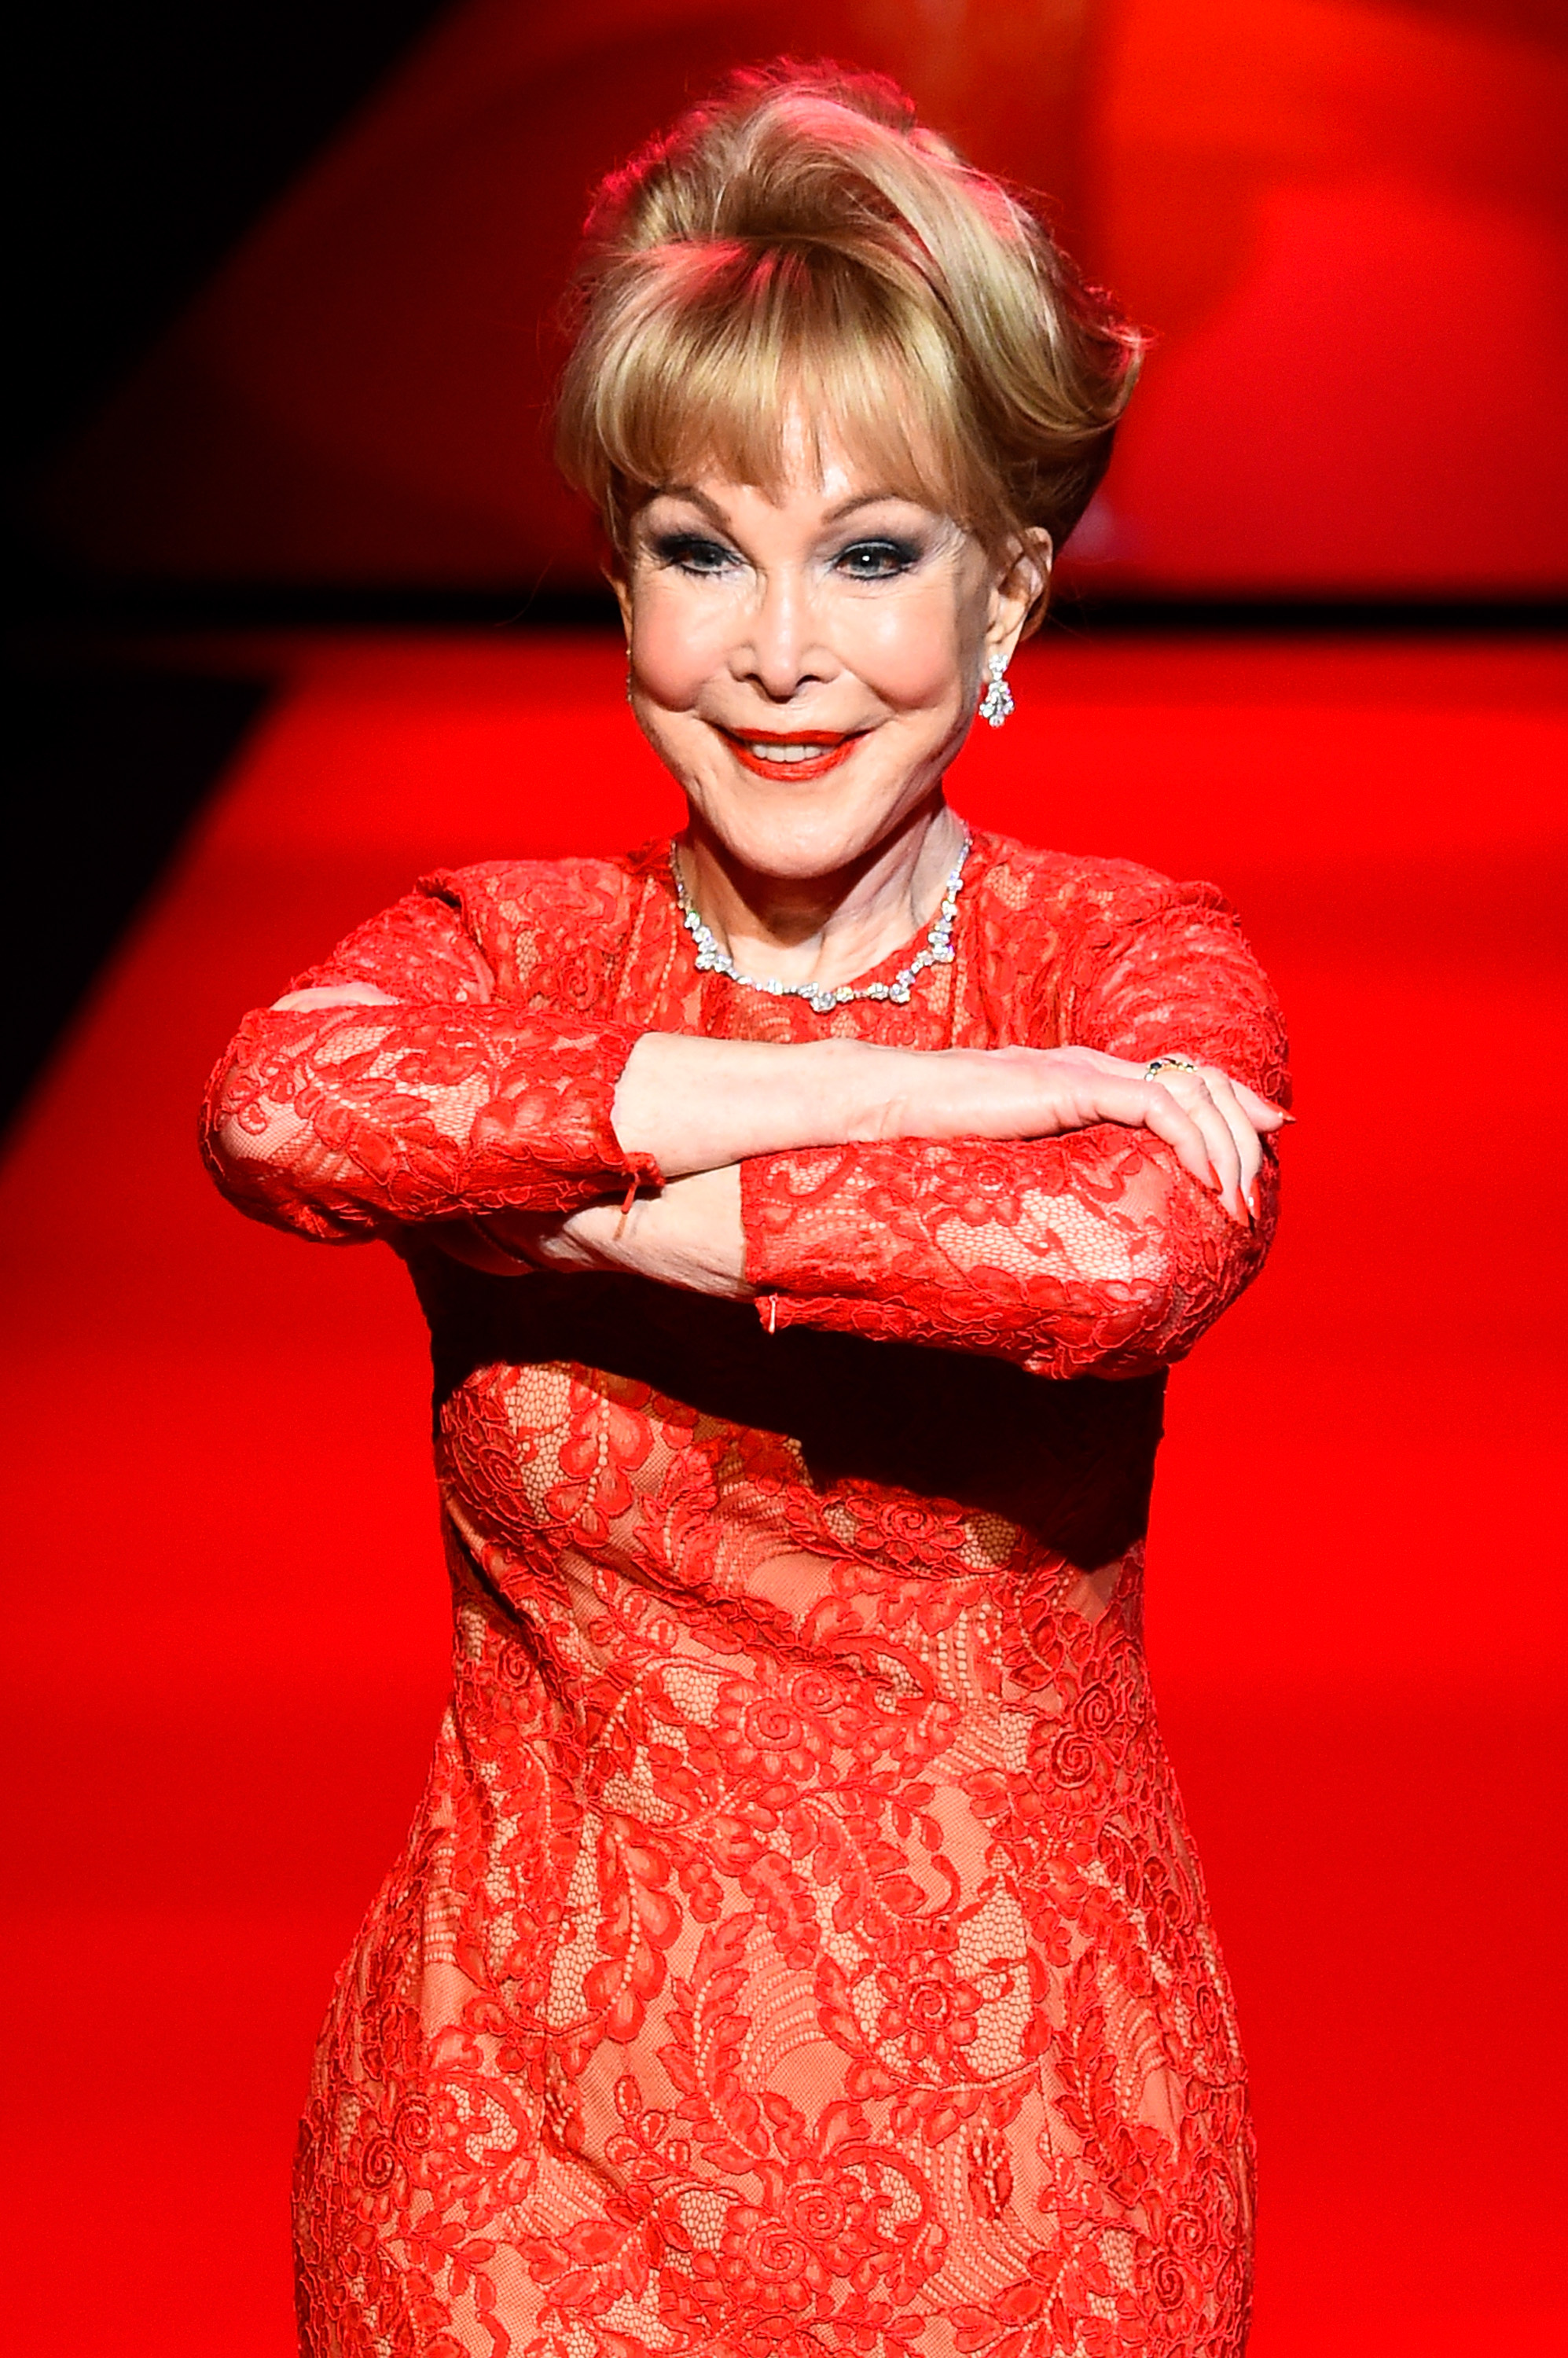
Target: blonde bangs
{"x":798,"y":256}
{"x":744,"y":363}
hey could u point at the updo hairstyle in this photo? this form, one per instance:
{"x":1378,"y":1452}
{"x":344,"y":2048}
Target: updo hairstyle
{"x":800,"y":246}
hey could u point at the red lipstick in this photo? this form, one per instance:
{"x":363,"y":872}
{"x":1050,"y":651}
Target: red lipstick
{"x":836,"y":744}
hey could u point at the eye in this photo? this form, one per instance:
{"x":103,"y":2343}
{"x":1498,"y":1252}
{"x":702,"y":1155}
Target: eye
{"x":690,"y":552}
{"x":876,"y":560}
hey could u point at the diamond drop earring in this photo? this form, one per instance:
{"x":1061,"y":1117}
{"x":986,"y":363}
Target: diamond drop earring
{"x":997,"y":701}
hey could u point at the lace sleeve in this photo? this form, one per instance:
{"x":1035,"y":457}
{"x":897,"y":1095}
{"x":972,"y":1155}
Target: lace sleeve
{"x":1093,"y":1254}
{"x":345,"y":1123}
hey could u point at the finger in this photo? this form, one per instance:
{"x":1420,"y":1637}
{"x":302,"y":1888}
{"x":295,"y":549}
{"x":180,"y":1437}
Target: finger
{"x":1248,"y":1146}
{"x":1159,"y":1111}
{"x":1221,"y":1144}
{"x":1248,"y":1150}
{"x":1262,"y":1116}
{"x":1177,"y":1109}
{"x":324,"y":996}
{"x":1190,"y":1090}
{"x":1137,"y":1104}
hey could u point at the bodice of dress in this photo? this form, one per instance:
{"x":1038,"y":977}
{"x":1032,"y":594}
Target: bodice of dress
{"x":799,"y":1947}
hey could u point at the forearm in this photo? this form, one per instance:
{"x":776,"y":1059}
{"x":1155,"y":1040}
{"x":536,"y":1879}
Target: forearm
{"x":1094,"y":1254}
{"x":693,"y":1104}
{"x":690,"y":1104}
{"x":688,"y":1234}
{"x":396,"y":1084}
{"x":686,"y":1099}
{"x":353,"y":1119}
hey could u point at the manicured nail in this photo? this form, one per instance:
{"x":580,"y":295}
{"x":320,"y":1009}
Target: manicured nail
{"x":1252,"y":1205}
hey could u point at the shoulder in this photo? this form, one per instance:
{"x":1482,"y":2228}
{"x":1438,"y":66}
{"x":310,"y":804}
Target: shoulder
{"x":498,"y":895}
{"x":1084,"y":899}
{"x":532,"y":920}
{"x":1116,"y":955}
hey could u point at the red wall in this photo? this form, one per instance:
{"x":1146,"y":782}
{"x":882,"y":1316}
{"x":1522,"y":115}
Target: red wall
{"x":227,"y":1648}
{"x":1345,"y":220}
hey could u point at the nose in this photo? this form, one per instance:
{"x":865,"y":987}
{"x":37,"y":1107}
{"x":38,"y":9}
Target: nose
{"x":779,"y":649}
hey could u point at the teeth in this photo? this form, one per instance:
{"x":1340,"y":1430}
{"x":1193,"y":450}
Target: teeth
{"x":787,"y":753}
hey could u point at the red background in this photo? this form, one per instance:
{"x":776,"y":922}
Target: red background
{"x":229,"y":1638}
{"x":1346,"y":221}
{"x":1347,"y":225}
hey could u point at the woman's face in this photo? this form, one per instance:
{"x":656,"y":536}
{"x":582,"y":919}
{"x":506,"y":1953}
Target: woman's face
{"x":807,"y":666}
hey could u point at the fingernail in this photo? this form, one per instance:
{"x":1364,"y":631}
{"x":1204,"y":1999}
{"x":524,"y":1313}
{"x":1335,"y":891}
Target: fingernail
{"x":1214,"y":1180}
{"x":1252,"y":1205}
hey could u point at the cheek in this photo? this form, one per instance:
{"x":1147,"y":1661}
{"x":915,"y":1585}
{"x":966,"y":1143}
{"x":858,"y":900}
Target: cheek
{"x":677,"y":643}
{"x":913,"y":653}
{"x":917,"y":652}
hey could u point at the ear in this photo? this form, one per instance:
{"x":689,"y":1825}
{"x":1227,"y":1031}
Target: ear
{"x":614,"y":572}
{"x":1019,"y":592}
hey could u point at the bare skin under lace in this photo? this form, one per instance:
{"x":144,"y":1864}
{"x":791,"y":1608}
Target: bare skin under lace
{"x":799,"y":1947}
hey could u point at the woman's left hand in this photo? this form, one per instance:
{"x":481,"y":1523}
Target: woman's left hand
{"x":1234,"y":1120}
{"x":689,"y":1234}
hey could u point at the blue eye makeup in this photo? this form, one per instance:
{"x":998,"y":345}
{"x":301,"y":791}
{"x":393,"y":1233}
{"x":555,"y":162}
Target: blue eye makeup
{"x":881,"y":556}
{"x":878,"y":559}
{"x":691,"y":552}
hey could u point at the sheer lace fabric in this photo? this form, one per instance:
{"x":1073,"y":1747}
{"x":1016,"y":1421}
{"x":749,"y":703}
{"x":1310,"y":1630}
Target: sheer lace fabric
{"x":798,"y":1947}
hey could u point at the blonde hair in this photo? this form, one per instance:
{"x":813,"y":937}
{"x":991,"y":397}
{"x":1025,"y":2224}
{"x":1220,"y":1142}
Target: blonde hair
{"x":799,"y":247}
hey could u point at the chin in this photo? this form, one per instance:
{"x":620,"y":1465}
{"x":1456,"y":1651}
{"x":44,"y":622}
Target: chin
{"x":799,"y":844}
{"x":797,"y":838}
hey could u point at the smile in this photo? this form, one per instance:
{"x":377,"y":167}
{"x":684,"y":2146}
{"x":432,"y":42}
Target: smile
{"x":805,"y":753}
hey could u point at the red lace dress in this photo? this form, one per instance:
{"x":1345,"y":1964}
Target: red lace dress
{"x":799,"y":1947}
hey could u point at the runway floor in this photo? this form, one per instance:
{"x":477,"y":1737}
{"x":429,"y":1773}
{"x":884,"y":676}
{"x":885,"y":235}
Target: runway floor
{"x":228,"y":1644}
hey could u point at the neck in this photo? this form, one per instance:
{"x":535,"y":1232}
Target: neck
{"x":830,"y":928}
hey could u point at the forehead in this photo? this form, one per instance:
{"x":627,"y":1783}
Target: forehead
{"x":814,"y":472}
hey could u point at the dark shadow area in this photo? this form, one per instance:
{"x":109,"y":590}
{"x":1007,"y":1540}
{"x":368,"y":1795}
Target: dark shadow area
{"x":58,"y":600}
{"x":108,"y":769}
{"x":143,"y":143}
{"x":1073,"y":1462}
{"x":1085,"y":613}
{"x":59,"y":604}
{"x":146,"y":140}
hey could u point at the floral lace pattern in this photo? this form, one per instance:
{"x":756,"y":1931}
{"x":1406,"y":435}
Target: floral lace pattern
{"x":799,"y":1947}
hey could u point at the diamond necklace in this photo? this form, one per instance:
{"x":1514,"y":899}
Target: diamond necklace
{"x":824,"y":996}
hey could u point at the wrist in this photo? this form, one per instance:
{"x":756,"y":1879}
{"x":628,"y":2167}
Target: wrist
{"x":698,"y":1104}
{"x":842,"y":1091}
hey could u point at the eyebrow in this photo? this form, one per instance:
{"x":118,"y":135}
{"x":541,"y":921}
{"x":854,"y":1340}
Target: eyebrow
{"x":700,"y":499}
{"x":866,"y":499}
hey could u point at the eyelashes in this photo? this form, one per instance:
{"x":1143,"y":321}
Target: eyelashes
{"x":689,"y":552}
{"x":879,"y":559}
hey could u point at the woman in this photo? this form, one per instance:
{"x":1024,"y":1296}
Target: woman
{"x":798,"y":1947}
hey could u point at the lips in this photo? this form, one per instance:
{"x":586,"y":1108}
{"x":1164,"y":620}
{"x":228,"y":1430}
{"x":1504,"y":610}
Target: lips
{"x":776,"y":753}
